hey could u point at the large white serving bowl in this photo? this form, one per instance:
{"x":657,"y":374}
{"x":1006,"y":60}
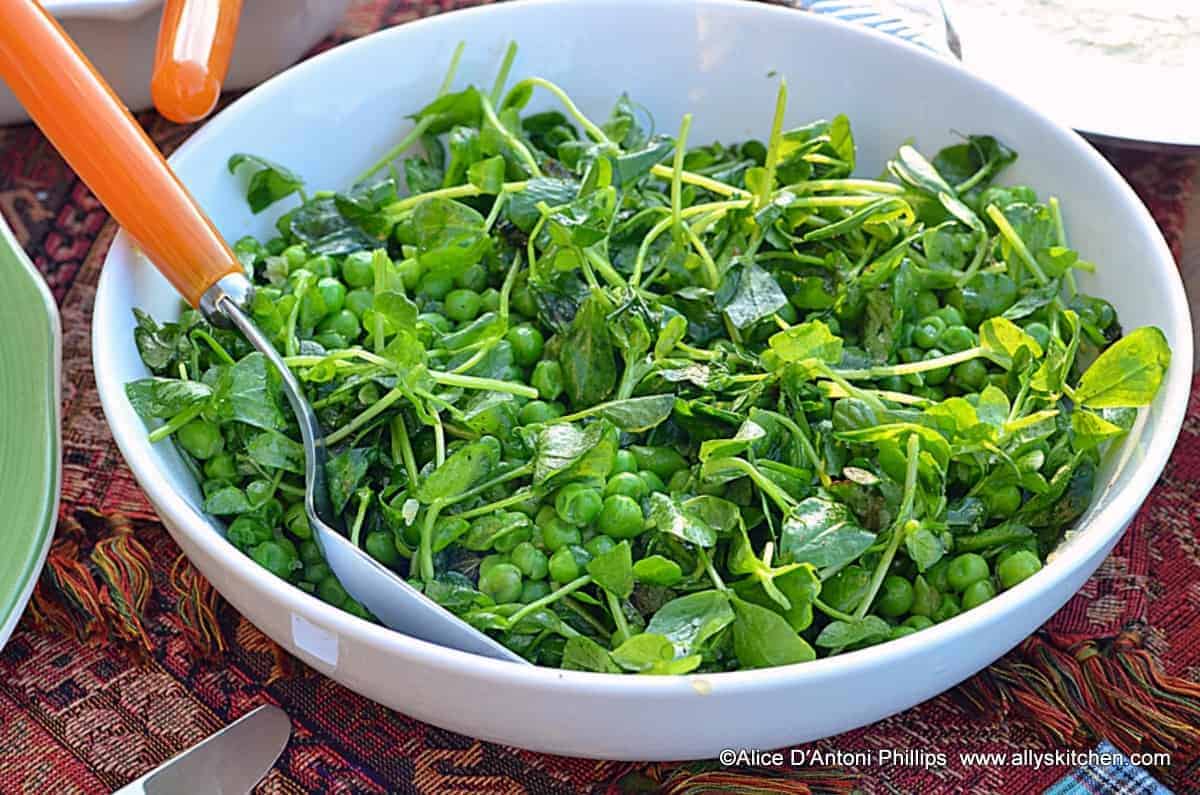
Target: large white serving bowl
{"x":332,"y":116}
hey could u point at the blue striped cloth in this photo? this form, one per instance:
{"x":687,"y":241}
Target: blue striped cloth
{"x":1119,"y":777}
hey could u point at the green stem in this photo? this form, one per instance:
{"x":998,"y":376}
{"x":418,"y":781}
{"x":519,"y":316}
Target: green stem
{"x":1060,"y":234}
{"x":502,"y":75}
{"x":425,"y":549}
{"x":410,"y":138}
{"x":516,"y":144}
{"x":401,"y":206}
{"x":1018,"y":245}
{"x":485,"y":384}
{"x":364,"y":499}
{"x":379,"y":264}
{"x":906,"y":506}
{"x":216,"y":347}
{"x":700,"y":181}
{"x":614,"y":607}
{"x":176,"y":422}
{"x":781,"y":498}
{"x":400,"y":440}
{"x":518,"y":496}
{"x":773,"y":145}
{"x":550,"y":598}
{"x":906,"y":368}
{"x":711,"y":570}
{"x":866,"y":185}
{"x":806,"y":445}
{"x":364,"y":417}
{"x":587,"y":124}
{"x":512,"y":474}
{"x":677,"y":176}
{"x":832,"y":612}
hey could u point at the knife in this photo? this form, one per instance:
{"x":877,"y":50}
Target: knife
{"x":230,"y":761}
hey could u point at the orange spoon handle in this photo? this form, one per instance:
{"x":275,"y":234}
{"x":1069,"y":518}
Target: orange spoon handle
{"x":195,"y":43}
{"x":100,"y":140}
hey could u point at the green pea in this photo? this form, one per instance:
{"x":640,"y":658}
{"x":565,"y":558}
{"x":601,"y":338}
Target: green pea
{"x":358,"y":269}
{"x":937,"y":575}
{"x":626,"y":483}
{"x":895,"y":598}
{"x":947,"y":609}
{"x":323,"y":266}
{"x":926,"y":303}
{"x":359,"y":301}
{"x":950,"y":315}
{"x":598,"y":545}
{"x":653,"y":482}
{"x":381,"y":545}
{"x":918,"y":622}
{"x":296,"y":256}
{"x":626,"y":462}
{"x":971,"y":374}
{"x":317,"y":572}
{"x":621,"y":517}
{"x":410,"y":271}
{"x":927,"y":331}
{"x":1017,"y":568}
{"x":522,"y":301}
{"x":489,"y":562}
{"x":439,"y":322}
{"x":910,"y":354}
{"x":462,"y":306}
{"x":502,"y":583}
{"x":507,"y":542}
{"x":220,"y":467}
{"x":547,"y":378}
{"x":891,"y":383}
{"x":1003,"y":501}
{"x":530,"y":560}
{"x":977,"y":593}
{"x":331,"y":591}
{"x":532,"y":590}
{"x":536,"y":411}
{"x":356,"y":608}
{"x":489,"y":300}
{"x":473,"y":278}
{"x":296,"y":520}
{"x":662,"y":461}
{"x":965,"y":570}
{"x":557,"y":534}
{"x":926,"y":598}
{"x":563,"y":566}
{"x":1039,"y":332}
{"x":938,"y":375}
{"x":527,"y":343}
{"x":343,"y":323}
{"x":956,"y":338}
{"x":201,"y":439}
{"x":900,"y":632}
{"x":578,"y":504}
{"x":434,"y":286}
{"x":333,"y":294}
{"x":274,"y":558}
{"x":310,"y":552}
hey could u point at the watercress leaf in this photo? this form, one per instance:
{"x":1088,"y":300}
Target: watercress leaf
{"x":1089,"y":430}
{"x":911,"y":168}
{"x":566,"y":452}
{"x":344,"y":472}
{"x":748,"y":295}
{"x":634,"y":415}
{"x":823,"y":533}
{"x":719,"y":514}
{"x":227,"y":501}
{"x":993,"y":407}
{"x":632,"y":166}
{"x":455,"y":592}
{"x":254,"y":391}
{"x":587,"y":356}
{"x":269,"y":182}
{"x":487,"y":530}
{"x":581,"y":653}
{"x":657,"y":570}
{"x":397,"y":309}
{"x":652,"y":654}
{"x":763,"y":638}
{"x":451,"y":236}
{"x":160,"y":398}
{"x":924,"y":547}
{"x":871,"y":218}
{"x":811,"y":340}
{"x":1128,"y":373}
{"x":613,"y":570}
{"x":688,"y":622}
{"x":665,"y":513}
{"x":1000,"y":339}
{"x":972,"y":165}
{"x":522,"y":208}
{"x":460,"y":108}
{"x":273,"y":450}
{"x":463,"y":469}
{"x":322,"y":228}
{"x":839,"y":634}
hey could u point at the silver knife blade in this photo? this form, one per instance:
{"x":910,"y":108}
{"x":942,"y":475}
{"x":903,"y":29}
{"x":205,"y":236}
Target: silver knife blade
{"x":229,"y":762}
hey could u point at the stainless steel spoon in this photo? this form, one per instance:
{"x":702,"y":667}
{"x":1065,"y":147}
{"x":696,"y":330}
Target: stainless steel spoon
{"x":94,"y":132}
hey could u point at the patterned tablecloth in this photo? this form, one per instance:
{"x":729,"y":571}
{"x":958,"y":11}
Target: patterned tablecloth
{"x":126,"y":655}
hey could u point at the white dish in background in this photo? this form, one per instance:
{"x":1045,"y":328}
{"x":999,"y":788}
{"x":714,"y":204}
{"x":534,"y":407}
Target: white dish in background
{"x":119,"y":37}
{"x":333,"y":115}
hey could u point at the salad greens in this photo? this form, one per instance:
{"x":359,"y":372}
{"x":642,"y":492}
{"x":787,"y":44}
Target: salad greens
{"x":630,"y":404}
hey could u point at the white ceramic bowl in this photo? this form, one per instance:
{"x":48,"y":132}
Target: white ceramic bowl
{"x":119,"y":36}
{"x":331,"y":116}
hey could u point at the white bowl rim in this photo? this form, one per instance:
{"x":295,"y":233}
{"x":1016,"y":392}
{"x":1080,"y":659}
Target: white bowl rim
{"x":1101,"y":529}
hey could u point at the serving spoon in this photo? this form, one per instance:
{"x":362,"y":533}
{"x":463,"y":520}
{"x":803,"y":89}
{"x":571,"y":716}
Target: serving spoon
{"x":82,"y":117}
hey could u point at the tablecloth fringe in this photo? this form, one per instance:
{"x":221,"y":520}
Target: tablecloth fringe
{"x":1075,"y":691}
{"x":702,"y":778}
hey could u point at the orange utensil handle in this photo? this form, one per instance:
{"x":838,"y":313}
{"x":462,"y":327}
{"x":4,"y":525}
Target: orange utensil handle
{"x":100,"y":140}
{"x":195,"y":43}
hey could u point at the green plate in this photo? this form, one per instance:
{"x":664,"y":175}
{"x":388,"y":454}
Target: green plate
{"x":30,"y":363}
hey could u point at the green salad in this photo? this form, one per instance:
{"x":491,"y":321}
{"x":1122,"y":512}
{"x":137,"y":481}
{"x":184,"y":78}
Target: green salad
{"x":632,"y":404}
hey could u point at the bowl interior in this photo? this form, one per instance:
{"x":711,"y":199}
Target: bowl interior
{"x":331,"y":117}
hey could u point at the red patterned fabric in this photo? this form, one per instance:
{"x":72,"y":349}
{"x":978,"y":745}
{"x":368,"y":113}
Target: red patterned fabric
{"x":118,"y":665}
